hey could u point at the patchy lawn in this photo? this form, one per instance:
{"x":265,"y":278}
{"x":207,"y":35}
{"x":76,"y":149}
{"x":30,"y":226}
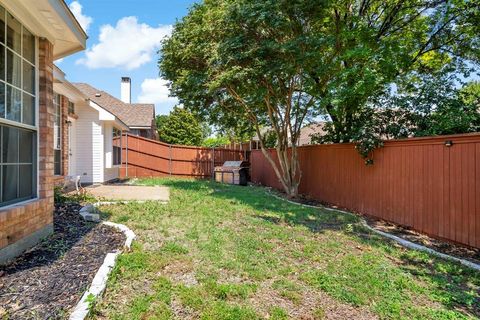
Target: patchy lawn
{"x":227,"y":252}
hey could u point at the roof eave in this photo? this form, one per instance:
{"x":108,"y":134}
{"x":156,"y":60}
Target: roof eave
{"x":106,"y":115}
{"x":53,"y":20}
{"x":140,"y":127}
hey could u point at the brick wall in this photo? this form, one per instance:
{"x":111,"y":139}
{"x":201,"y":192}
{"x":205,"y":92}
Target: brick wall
{"x":21,"y":226}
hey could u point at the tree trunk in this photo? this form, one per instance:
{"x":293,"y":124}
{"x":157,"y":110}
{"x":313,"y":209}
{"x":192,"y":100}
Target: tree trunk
{"x":287,"y":169}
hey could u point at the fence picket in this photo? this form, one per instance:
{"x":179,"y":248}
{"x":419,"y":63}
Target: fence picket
{"x":149,"y":158}
{"x":420,"y":183}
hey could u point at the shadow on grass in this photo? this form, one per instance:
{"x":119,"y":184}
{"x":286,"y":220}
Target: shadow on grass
{"x":456,"y":286}
{"x":280,"y":211}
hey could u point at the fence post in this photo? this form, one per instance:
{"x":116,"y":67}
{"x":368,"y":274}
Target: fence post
{"x":170,"y":160}
{"x":213,"y":163}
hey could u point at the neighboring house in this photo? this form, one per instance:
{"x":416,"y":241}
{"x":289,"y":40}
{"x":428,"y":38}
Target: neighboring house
{"x":304,"y":139}
{"x":32,"y":35}
{"x":310,"y":130}
{"x":254,"y":143}
{"x":140,"y":118}
{"x":88,"y":124}
{"x":86,"y":135}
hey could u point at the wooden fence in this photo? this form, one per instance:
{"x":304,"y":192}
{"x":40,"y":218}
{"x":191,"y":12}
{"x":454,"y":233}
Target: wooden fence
{"x":420,"y":183}
{"x":143,"y":157}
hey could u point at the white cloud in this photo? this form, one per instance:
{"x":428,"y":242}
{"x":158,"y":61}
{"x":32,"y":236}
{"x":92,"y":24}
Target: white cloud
{"x":156,"y":91}
{"x":84,"y":20}
{"x":127,"y":45}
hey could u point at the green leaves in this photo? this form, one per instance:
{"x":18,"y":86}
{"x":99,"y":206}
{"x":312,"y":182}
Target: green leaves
{"x":180,"y":127}
{"x":243,"y":64}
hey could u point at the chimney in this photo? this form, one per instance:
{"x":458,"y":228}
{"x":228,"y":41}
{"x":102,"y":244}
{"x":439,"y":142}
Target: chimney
{"x":126,"y":90}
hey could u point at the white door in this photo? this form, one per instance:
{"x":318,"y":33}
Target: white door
{"x":72,"y":142}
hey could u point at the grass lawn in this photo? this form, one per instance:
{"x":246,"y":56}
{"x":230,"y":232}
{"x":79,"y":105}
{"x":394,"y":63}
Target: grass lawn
{"x":228,"y":252}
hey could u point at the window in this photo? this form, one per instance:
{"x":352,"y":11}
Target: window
{"x":57,"y":135}
{"x":18,"y":129}
{"x":71,"y":107}
{"x":117,"y":147}
{"x":18,"y":164}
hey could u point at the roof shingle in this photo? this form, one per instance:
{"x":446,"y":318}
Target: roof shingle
{"x":132,"y":114}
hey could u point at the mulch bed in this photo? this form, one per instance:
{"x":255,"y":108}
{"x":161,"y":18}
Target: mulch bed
{"x":456,"y":250}
{"x":48,"y":280}
{"x":453,"y":249}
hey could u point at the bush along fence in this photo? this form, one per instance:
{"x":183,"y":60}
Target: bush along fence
{"x":143,"y":157}
{"x":428,"y":184}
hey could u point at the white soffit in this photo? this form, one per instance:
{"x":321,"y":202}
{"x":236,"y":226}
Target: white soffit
{"x":51,"y":19}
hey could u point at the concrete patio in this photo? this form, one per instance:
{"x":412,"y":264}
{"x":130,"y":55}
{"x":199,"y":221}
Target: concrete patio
{"x":117,"y":192}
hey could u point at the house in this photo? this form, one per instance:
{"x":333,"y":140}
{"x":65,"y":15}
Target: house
{"x":307,"y":132}
{"x":86,"y":134}
{"x":140,"y":118}
{"x":305,"y":137}
{"x":88,"y":124}
{"x":32,"y":35}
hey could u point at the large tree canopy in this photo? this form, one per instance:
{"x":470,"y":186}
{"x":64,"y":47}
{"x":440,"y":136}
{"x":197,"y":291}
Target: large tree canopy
{"x":435,"y":107}
{"x":278,"y":63}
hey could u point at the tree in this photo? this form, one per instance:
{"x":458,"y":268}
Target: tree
{"x":230,"y":61}
{"x":238,"y":131}
{"x":470,"y":94}
{"x":438,"y":107}
{"x":277,"y":63}
{"x":269,"y":139}
{"x":180,"y":127}
{"x":214,"y":142}
{"x":160,"y":121}
{"x":377,"y":43}
{"x":434,"y":107}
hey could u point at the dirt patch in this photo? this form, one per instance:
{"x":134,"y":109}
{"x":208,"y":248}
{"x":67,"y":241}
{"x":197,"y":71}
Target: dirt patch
{"x":182,"y":312}
{"x":180,"y":272}
{"x":308,"y":307}
{"x":123,"y":192}
{"x":48,"y":280}
{"x":456,"y":250}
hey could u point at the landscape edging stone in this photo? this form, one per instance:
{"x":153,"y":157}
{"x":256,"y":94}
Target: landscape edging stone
{"x":99,"y":282}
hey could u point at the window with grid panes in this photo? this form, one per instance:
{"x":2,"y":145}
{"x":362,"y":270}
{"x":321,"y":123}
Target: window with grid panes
{"x":71,"y":107}
{"x":18,"y":105}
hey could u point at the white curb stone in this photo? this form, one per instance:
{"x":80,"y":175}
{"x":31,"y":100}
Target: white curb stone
{"x":99,"y":282}
{"x":96,"y":288}
{"x":401,"y":241}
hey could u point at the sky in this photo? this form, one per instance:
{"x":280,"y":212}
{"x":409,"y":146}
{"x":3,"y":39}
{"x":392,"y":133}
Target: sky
{"x":123,"y":39}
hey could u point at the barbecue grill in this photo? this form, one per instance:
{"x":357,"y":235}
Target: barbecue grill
{"x":232,"y":172}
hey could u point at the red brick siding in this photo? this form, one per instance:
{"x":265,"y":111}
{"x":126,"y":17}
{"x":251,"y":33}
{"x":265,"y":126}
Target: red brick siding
{"x":20,"y":221}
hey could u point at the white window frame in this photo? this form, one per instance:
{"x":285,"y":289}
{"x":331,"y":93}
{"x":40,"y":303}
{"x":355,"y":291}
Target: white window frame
{"x":113,"y":147}
{"x":72,"y":104}
{"x":57,"y":136}
{"x":20,"y":124}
